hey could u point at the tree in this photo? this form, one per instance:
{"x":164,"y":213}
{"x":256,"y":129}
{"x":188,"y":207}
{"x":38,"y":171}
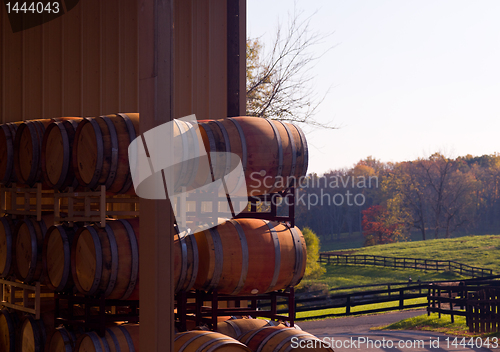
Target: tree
{"x":313,"y":268}
{"x":379,"y":227}
{"x":280,"y":84}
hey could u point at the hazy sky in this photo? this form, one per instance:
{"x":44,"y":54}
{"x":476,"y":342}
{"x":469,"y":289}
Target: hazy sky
{"x":408,"y":77}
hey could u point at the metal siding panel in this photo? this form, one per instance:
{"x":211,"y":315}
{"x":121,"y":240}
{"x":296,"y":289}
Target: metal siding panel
{"x":2,"y":68}
{"x":91,"y":56}
{"x":52,"y":68}
{"x":201,"y":84}
{"x":129,"y":56}
{"x":183,"y":70}
{"x":12,"y":78}
{"x":72,"y":62}
{"x":218,"y":59}
{"x":32,"y":73}
{"x":110,"y":57}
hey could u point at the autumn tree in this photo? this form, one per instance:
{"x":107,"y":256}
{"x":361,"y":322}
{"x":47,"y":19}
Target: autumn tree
{"x":378,"y":227}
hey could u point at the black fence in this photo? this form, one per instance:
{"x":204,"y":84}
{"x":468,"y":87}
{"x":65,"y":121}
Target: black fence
{"x":479,"y":303}
{"x":437,"y":293}
{"x":405,"y":263}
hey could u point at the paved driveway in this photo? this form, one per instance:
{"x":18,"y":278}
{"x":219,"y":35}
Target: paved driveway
{"x":354,"y":334}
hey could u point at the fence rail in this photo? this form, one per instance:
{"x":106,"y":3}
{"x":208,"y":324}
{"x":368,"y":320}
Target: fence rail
{"x":405,"y":263}
{"x":480,"y":304}
{"x":396,"y":292}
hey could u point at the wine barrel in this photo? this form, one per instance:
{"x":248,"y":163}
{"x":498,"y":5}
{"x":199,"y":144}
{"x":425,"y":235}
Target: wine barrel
{"x":56,"y":257}
{"x":250,"y":256}
{"x":29,"y":235}
{"x":106,"y":260}
{"x":7,"y":136}
{"x":272,"y":152}
{"x":57,"y":146}
{"x":7,"y":261}
{"x":28,"y":147}
{"x":100,"y":151}
{"x":186,"y":262}
{"x":62,"y":340}
{"x":237,"y":327}
{"x":278,"y":339}
{"x":33,"y":333}
{"x":204,"y":341}
{"x":119,"y":338}
{"x":9,"y":321}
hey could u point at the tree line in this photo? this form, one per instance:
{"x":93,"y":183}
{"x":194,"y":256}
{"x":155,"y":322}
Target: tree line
{"x":434,"y":196}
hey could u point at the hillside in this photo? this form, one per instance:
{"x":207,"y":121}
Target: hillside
{"x":479,"y":251}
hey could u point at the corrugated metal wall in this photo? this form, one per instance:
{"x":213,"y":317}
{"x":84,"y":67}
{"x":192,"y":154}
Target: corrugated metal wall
{"x":84,"y":63}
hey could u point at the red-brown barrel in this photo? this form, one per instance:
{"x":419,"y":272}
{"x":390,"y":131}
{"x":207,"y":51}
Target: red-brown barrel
{"x":7,"y":254}
{"x":33,"y":333}
{"x":29,"y":235}
{"x":250,"y":256}
{"x":106,"y":260}
{"x":118,"y":338}
{"x":100,"y":151}
{"x":7,"y":137}
{"x":57,"y":146}
{"x":28,"y":149}
{"x":273,"y":153}
{"x":56,"y":258}
{"x":204,"y":341}
{"x":62,"y":340}
{"x":186,"y":262}
{"x":278,"y":339}
{"x":9,"y":322}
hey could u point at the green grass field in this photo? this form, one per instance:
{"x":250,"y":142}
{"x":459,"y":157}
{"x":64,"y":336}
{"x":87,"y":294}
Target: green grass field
{"x":480,"y":251}
{"x":434,"y":323}
{"x":310,"y":315}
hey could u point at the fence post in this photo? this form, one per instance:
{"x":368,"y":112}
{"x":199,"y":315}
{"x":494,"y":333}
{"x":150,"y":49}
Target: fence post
{"x":401,"y":298}
{"x":348,"y":305}
{"x":389,"y":289}
{"x":439,"y":302}
{"x":429,"y":289}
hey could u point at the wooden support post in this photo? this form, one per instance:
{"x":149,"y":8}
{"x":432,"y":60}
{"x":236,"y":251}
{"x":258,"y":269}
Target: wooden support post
{"x":155,"y":108}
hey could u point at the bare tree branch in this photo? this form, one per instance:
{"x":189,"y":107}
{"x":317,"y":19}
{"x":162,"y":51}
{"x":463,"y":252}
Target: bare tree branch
{"x":280,"y":84}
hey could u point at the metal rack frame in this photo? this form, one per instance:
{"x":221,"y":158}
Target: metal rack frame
{"x":208,"y":315}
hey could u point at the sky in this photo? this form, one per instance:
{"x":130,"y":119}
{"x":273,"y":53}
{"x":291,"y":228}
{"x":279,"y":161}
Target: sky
{"x":406,"y":78}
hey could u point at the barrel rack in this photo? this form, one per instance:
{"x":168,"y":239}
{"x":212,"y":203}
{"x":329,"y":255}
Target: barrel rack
{"x":190,"y":306}
{"x":25,"y":303}
{"x":25,"y":201}
{"x":91,"y":206}
{"x":97,"y":311}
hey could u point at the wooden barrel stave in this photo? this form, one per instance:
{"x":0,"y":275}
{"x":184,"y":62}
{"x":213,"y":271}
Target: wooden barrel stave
{"x":62,"y":340}
{"x":28,"y":240}
{"x":106,"y":261}
{"x":7,"y":137}
{"x":203,"y":341}
{"x":9,"y":323}
{"x":7,"y":254}
{"x":237,"y":266}
{"x":100,"y":151}
{"x":123,"y":338}
{"x":185,"y":262}
{"x":56,"y":257}
{"x":33,"y":333}
{"x":279,"y":339}
{"x":57,"y":146}
{"x":28,"y":149}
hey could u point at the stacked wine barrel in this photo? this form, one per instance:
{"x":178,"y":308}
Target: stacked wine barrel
{"x":238,"y":257}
